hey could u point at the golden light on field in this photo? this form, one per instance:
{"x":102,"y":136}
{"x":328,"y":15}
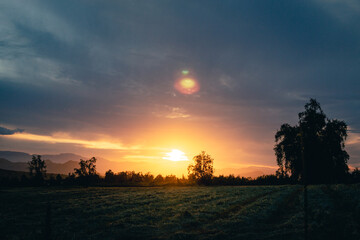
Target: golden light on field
{"x":176,"y":155}
{"x":187,"y":85}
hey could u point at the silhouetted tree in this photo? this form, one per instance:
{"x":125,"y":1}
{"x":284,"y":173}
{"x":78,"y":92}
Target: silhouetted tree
{"x":87,"y":171}
{"x":202,"y":170}
{"x":170,"y":180}
{"x":122,"y":178}
{"x":355,"y":175}
{"x":58,"y":179}
{"x":70,"y":180}
{"x":109,"y":176}
{"x":317,"y":139}
{"x":159,"y":180}
{"x":136,"y":178}
{"x":148,"y":178}
{"x":37,"y":168}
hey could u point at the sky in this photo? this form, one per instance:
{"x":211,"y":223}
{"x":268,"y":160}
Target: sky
{"x":98,"y":78}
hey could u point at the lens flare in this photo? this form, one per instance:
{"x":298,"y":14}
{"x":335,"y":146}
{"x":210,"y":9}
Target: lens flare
{"x":187,"y":85}
{"x":185,"y":72}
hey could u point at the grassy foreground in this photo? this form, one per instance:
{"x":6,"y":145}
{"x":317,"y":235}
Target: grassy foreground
{"x":249,"y":212}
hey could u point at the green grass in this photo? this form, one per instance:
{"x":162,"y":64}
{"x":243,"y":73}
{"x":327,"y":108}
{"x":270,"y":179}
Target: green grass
{"x":251,"y":212}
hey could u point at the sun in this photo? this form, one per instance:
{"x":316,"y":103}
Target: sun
{"x":176,"y":155}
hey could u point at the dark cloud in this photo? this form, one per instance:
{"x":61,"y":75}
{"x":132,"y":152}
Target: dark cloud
{"x":6,"y":131}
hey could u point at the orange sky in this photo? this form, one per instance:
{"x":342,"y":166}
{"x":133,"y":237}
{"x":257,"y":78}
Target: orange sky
{"x":148,"y":147}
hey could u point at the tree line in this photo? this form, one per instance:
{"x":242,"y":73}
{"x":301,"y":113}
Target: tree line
{"x":200,"y":173}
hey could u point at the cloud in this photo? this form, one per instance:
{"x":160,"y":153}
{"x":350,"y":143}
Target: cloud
{"x":344,"y":10}
{"x":99,"y":144}
{"x":6,"y":131}
{"x":165,"y":111}
{"x":38,"y":17}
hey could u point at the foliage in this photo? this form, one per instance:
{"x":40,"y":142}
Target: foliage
{"x":109,"y":176}
{"x":87,"y":167}
{"x":202,"y":170}
{"x":37,"y":168}
{"x":138,"y":179}
{"x":87,"y":171}
{"x":86,"y":175}
{"x":355,"y":175}
{"x":316,"y":139}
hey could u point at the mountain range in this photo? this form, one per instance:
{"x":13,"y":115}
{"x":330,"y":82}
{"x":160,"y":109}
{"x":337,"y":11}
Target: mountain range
{"x":62,"y":163}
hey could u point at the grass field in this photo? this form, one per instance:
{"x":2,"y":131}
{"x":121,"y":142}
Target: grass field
{"x":253,"y":212}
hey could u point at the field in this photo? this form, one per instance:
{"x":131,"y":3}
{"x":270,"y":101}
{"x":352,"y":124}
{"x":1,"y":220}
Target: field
{"x":253,"y":212}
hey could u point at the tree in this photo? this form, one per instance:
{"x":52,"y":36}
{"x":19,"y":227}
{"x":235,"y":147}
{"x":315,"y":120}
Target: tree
{"x":317,"y":143}
{"x":202,"y":170}
{"x":37,"y":168}
{"x":355,"y":175}
{"x":109,"y":176}
{"x":159,"y":179}
{"x":58,"y":179}
{"x":87,"y":171}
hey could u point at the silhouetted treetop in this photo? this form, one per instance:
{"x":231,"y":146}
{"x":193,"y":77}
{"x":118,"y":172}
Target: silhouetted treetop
{"x":87,"y":167}
{"x":37,"y":166}
{"x":316,"y":142}
{"x":203,"y":169}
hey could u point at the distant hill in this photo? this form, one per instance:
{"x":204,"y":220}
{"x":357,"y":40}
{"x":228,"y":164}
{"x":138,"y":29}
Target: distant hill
{"x":15,"y":156}
{"x":19,"y":174}
{"x":63,"y":157}
{"x":25,"y":157}
{"x":62,"y":168}
{"x":14,"y":166}
{"x":60,"y":163}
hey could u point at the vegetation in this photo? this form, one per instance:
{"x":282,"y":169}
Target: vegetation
{"x":86,"y":173}
{"x":252,"y":212}
{"x":131,"y":178}
{"x":202,"y":170}
{"x":37,"y":168}
{"x":313,"y":150}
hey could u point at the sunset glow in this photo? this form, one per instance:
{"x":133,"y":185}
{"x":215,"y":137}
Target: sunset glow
{"x":100,"y":144}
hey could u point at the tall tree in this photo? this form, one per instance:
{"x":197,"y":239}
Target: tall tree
{"x":87,"y":171}
{"x":87,"y":167}
{"x":203,"y":169}
{"x":318,"y":143}
{"x":37,"y":168}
